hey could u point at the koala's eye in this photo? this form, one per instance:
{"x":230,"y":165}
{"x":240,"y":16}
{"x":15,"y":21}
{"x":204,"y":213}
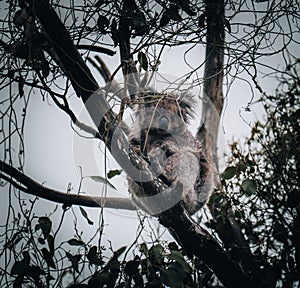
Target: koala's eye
{"x":163,"y":123}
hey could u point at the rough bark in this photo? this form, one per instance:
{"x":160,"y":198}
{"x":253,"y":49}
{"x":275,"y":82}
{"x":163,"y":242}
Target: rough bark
{"x":213,"y":99}
{"x":213,"y":78}
{"x":198,"y":242}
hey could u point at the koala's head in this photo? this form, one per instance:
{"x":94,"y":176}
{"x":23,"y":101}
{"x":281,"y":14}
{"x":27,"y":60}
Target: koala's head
{"x":161,"y":117}
{"x":164,"y":114}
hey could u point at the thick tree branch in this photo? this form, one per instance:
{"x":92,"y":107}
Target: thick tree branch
{"x":230,"y":232}
{"x":198,"y":242}
{"x":29,"y":186}
{"x":213,"y":78}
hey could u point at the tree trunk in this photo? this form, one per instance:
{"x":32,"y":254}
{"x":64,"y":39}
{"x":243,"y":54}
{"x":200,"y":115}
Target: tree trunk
{"x":213,"y":101}
{"x":213,"y":78}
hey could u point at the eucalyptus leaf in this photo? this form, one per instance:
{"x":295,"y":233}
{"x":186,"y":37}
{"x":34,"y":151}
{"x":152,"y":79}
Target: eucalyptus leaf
{"x":119,"y":252}
{"x":20,"y":267}
{"x":156,"y":253}
{"x":241,"y":166}
{"x":94,"y":257}
{"x":171,"y":278}
{"x":103,"y":180}
{"x":74,"y":260}
{"x":131,"y":268}
{"x":144,"y":248}
{"x":178,"y":257}
{"x":249,"y":186}
{"x":48,"y":258}
{"x":85,"y":215}
{"x":50,"y":241}
{"x":99,"y":279}
{"x":45,"y":225}
{"x":75,"y":242}
{"x":228,"y":173}
{"x":21,"y":82}
{"x":113,"y":173}
{"x":143,"y":60}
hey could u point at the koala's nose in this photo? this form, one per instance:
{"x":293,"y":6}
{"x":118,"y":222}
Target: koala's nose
{"x":163,"y":123}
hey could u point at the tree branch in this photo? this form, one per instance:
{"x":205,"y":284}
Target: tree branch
{"x":95,"y":48}
{"x":111,"y":84}
{"x":29,"y":186}
{"x":198,"y":242}
{"x":124,"y":33}
{"x":230,"y":232}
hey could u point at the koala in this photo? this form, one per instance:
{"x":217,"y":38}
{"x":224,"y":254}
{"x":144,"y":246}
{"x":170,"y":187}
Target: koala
{"x":160,"y":135}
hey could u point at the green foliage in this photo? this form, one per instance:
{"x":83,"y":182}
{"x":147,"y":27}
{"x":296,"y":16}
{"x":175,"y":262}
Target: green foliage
{"x":22,"y":269}
{"x":74,"y":260}
{"x":228,"y":173}
{"x":263,"y":186}
{"x":249,"y":186}
{"x":142,"y":58}
{"x":45,"y":225}
{"x":94,"y":257}
{"x":156,"y":266}
{"x":75,"y":242}
{"x":103,"y":180}
{"x":48,"y":257}
{"x":85,"y":215}
{"x":113,"y":173}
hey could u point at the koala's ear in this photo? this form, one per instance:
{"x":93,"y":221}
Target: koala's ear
{"x":187,"y":105}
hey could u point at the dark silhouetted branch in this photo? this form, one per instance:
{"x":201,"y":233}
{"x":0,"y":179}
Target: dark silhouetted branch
{"x":29,"y":186}
{"x":95,"y":48}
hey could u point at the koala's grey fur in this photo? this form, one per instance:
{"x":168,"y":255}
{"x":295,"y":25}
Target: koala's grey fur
{"x":160,"y":135}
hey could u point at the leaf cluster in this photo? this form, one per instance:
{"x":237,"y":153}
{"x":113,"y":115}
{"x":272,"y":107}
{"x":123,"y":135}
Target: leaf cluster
{"x":262,"y":183}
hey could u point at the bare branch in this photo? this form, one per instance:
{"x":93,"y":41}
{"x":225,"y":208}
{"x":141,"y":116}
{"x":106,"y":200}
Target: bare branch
{"x":95,"y":48}
{"x":111,"y":84}
{"x":29,"y":186}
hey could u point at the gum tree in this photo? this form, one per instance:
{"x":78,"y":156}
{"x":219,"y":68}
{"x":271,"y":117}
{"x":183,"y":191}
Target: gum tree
{"x":47,"y":47}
